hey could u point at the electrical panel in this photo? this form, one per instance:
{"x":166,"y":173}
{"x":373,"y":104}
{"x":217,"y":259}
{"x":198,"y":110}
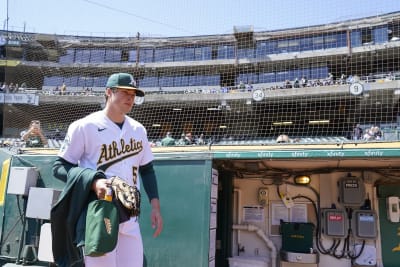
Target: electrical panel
{"x":366,"y":226}
{"x":21,"y":179}
{"x":334,"y":222}
{"x":351,"y":191}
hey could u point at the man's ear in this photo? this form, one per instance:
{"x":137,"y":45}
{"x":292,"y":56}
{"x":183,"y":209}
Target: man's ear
{"x":108,"y":92}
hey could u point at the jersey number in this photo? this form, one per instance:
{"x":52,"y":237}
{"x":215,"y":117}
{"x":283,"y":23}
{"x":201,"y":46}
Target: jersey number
{"x":134,"y":174}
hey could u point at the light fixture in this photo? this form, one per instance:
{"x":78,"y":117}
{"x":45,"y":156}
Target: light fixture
{"x":156,"y":125}
{"x":302,"y":179}
{"x":319,"y":122}
{"x":177,"y":109}
{"x":282,"y":123}
{"x":223,"y":127}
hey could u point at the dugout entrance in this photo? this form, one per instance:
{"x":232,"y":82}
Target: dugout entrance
{"x":256,"y":182}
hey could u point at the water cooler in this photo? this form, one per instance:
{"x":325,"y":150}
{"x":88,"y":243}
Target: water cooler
{"x":297,"y":245}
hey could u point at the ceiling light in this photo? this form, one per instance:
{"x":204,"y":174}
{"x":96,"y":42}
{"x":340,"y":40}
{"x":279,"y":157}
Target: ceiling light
{"x":319,"y":122}
{"x":283,"y":123}
{"x":156,"y":125}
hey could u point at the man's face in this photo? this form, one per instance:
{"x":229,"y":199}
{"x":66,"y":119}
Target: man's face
{"x":122,"y":99}
{"x":35,"y":127}
{"x":35,"y":124}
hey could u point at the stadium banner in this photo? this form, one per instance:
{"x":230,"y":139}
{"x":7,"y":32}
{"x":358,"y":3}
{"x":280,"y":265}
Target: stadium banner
{"x":30,"y":99}
{"x":304,"y":154}
{"x":285,"y":154}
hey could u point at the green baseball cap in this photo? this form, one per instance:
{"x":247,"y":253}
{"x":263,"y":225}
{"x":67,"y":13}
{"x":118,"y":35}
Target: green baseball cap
{"x":123,"y":81}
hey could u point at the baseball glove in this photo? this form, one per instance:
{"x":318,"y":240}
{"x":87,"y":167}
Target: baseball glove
{"x":128,"y":195}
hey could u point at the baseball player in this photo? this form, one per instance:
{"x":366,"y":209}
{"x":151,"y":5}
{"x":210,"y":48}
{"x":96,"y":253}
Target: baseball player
{"x":113,"y":144}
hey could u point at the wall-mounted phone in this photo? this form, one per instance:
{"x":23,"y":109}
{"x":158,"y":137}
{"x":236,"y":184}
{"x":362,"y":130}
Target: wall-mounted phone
{"x":263,"y":196}
{"x":393,"y":211}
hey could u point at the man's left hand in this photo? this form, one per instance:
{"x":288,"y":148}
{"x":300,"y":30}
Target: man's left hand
{"x":156,"y":218}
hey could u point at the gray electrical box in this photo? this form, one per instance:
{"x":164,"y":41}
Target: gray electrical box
{"x":351,"y":191}
{"x":334,"y":222}
{"x":21,"y":179}
{"x":40,"y":202}
{"x":366,"y":226}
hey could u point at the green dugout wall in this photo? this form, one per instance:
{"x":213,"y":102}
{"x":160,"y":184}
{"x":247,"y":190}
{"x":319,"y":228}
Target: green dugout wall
{"x":184,"y":188}
{"x":391,"y":231}
{"x":13,"y":237}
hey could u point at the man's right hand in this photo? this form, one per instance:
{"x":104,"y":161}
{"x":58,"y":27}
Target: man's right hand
{"x":99,"y":186}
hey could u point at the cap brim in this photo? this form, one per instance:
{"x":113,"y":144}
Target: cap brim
{"x":138,"y":91}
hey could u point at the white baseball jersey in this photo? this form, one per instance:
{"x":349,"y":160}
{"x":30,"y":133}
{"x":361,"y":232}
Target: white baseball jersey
{"x":98,"y":143}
